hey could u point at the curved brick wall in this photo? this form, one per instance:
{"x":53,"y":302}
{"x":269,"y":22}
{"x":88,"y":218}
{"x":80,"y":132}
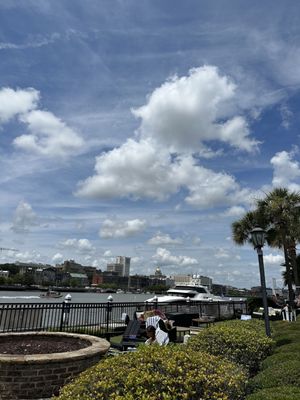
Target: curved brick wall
{"x":41,"y":375}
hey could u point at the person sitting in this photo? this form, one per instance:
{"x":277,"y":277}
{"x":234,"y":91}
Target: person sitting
{"x":160,"y":321}
{"x":150,"y":332}
{"x":156,"y":336}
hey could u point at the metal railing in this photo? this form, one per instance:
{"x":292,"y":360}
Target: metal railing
{"x":102,"y":319}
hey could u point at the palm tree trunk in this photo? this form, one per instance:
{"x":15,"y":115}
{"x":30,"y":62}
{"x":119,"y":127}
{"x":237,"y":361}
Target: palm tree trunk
{"x":288,"y":275}
{"x":293,"y":257}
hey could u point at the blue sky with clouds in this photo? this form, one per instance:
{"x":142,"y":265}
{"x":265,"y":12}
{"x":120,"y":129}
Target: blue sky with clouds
{"x":144,"y":128}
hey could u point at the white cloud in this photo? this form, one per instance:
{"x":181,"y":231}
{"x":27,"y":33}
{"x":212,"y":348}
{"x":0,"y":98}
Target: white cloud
{"x":136,"y":260}
{"x":164,"y":257}
{"x":286,"y":169}
{"x":49,"y":136}
{"x":163,"y":239}
{"x":15,"y":102}
{"x":80,"y":245}
{"x":38,"y":41}
{"x":136,"y":169}
{"x":107,"y":253}
{"x":140,"y":170}
{"x":182,"y":116}
{"x":197,"y":240}
{"x":186,"y":112}
{"x":286,"y":116}
{"x":28,"y":256}
{"x":121,"y":229}
{"x":57,"y":258}
{"x":235,"y":211}
{"x":95,"y":264}
{"x":273,"y":259}
{"x":24,"y":218}
{"x":206,"y":187}
{"x":222,"y":253}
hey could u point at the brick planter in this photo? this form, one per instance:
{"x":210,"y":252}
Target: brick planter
{"x":41,"y":375}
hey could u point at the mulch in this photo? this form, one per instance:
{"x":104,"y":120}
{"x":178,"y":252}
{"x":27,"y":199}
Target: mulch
{"x":43,"y":345}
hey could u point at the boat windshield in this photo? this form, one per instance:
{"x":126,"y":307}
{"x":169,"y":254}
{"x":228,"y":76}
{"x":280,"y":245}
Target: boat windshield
{"x":189,"y":294}
{"x":195,"y":288}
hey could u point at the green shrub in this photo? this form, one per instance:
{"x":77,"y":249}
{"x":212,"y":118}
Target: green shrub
{"x":284,"y":373}
{"x":277,"y":393}
{"x":243,"y":342}
{"x":289,"y":348}
{"x":159,"y":373}
{"x":277,"y":358}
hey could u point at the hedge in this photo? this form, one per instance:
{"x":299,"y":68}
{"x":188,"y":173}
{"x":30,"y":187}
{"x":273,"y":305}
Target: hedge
{"x":159,"y":373}
{"x":292,"y":347}
{"x":277,"y":358}
{"x":242,"y":342}
{"x":284,"y":373}
{"x":277,"y":393}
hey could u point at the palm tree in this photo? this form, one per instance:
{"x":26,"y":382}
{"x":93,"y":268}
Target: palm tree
{"x":284,"y":273}
{"x":279,"y":215}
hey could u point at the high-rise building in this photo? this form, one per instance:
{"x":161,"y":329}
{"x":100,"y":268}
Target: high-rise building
{"x":121,"y":266}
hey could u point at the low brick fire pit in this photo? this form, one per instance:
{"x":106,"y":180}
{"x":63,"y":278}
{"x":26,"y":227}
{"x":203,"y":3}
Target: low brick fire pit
{"x":35,"y":365}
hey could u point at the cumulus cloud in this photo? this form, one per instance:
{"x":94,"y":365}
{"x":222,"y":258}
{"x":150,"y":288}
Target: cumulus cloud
{"x":163,"y":239}
{"x":24,"y":218}
{"x":286,"y":169}
{"x":57,"y":258}
{"x":28,"y":256}
{"x":80,"y":245}
{"x":179,"y":119}
{"x":273,"y":259}
{"x":121,"y":229}
{"x":185,"y":112}
{"x":235,"y":211}
{"x":222,"y":253}
{"x":136,"y":169}
{"x":15,"y":102}
{"x":49,"y":136}
{"x":140,"y":170}
{"x":164,"y":257}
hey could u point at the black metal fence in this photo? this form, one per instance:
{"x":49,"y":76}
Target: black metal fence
{"x":102,"y":319}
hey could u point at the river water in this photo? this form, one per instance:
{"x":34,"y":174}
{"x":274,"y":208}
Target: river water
{"x":77,"y":297}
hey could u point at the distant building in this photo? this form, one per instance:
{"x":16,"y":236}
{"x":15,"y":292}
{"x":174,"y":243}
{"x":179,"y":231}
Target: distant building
{"x":4,"y":274}
{"x":219,"y":290}
{"x":257,"y":291}
{"x":46,"y":276}
{"x":71,"y":266}
{"x":121,"y":266}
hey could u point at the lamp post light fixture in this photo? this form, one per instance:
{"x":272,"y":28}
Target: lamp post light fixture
{"x":258,"y":240}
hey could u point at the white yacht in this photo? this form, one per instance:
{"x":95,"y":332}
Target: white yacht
{"x":185,"y":292}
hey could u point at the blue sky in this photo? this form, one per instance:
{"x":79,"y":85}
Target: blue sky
{"x":145,"y":128}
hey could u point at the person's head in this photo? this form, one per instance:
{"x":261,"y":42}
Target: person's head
{"x":150,"y":331}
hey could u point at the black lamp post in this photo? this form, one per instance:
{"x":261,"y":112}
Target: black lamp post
{"x":258,"y":239}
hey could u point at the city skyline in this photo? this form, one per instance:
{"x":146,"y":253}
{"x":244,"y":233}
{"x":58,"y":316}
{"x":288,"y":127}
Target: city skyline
{"x":144,"y":129}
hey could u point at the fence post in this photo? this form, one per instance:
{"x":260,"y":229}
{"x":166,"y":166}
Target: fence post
{"x":64,"y":319}
{"x":62,"y":316}
{"x":188,"y":303}
{"x":108,"y":311}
